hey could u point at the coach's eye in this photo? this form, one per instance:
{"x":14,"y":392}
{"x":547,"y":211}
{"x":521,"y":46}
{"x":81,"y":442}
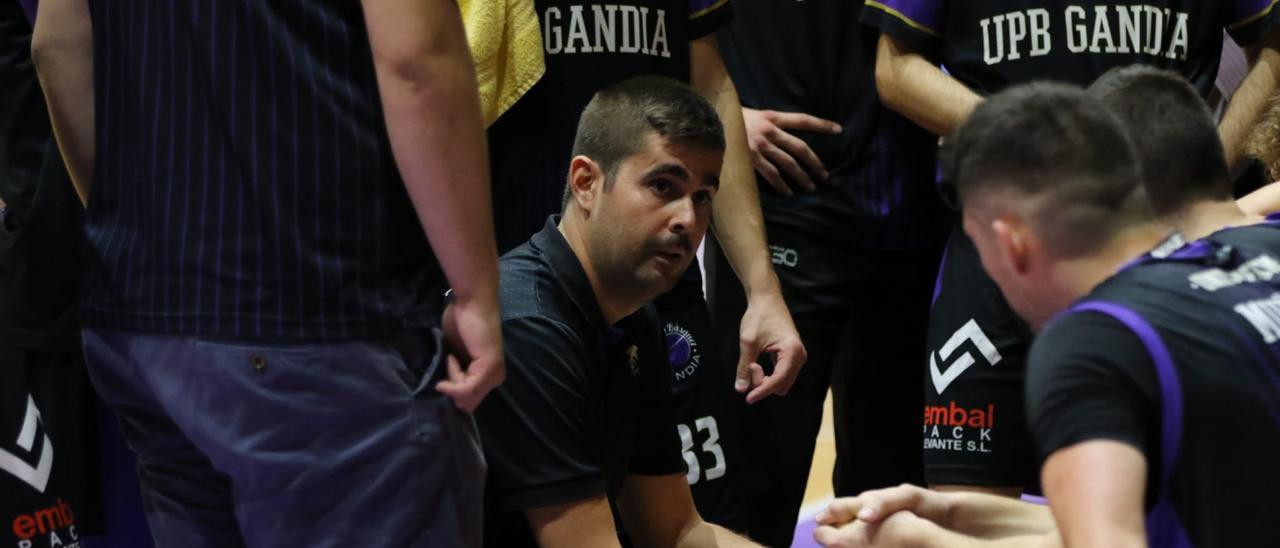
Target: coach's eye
{"x":702,"y":197}
{"x":661,"y":187}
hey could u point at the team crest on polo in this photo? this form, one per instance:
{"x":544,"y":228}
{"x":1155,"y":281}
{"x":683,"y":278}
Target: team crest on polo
{"x":682,"y":353}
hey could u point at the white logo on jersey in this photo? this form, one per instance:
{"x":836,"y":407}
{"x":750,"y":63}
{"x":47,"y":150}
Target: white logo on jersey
{"x":1264,"y":315}
{"x":783,"y":256}
{"x":968,"y":332}
{"x":613,"y":28}
{"x":1262,"y":268}
{"x":37,"y":476}
{"x":1132,"y":29}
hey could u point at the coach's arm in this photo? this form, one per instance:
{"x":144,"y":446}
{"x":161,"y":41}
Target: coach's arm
{"x":658,"y":511}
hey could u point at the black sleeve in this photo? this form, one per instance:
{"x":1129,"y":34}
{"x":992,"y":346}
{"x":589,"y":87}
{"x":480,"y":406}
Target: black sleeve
{"x":707,"y":16}
{"x":536,"y":426}
{"x":916,"y":23}
{"x":1089,"y":377}
{"x":1248,"y":21}
{"x":657,"y":451}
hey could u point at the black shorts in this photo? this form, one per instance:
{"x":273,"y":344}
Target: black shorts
{"x":704,"y":408}
{"x":975,"y":430}
{"x":49,"y":473}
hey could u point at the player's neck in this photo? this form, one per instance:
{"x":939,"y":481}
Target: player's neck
{"x":1079,"y":276}
{"x":613,"y":306}
{"x":1204,"y":218}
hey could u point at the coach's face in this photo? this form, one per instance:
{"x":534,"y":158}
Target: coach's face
{"x":646,"y":226}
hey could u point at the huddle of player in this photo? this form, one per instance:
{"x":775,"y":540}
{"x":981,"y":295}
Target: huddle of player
{"x":1146,"y":367}
{"x":1105,"y":216}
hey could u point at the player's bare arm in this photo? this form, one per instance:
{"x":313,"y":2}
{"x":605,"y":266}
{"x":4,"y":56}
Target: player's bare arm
{"x":659,"y":511}
{"x":587,"y":522}
{"x":739,"y":225}
{"x":428,"y":88}
{"x":1096,"y":490}
{"x":916,"y":88}
{"x":62,"y":50}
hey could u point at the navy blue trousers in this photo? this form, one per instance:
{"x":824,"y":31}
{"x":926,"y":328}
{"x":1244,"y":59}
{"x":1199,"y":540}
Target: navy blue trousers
{"x":316,"y":444}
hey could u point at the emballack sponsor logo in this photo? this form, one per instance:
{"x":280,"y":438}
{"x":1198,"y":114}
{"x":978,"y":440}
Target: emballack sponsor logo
{"x":52,"y":526}
{"x":956,"y":428}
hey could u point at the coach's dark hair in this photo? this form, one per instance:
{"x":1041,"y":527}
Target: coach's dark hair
{"x":1058,"y":151}
{"x":615,"y":122}
{"x":1172,"y":130}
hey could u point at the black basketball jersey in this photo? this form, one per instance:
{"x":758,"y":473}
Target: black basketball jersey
{"x":990,"y":45}
{"x":1204,"y":389}
{"x":588,"y":45}
{"x":814,"y":57}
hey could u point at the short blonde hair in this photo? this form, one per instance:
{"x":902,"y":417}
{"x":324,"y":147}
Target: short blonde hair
{"x":1264,"y":142}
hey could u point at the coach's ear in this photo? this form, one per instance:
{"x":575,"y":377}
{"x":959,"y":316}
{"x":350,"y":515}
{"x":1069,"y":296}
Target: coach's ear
{"x":586,"y":181}
{"x":1014,"y":241}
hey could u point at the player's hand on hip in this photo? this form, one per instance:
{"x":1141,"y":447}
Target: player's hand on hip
{"x":876,"y":505}
{"x":767,"y":328}
{"x":473,"y":344}
{"x":899,"y":529}
{"x":775,"y":151}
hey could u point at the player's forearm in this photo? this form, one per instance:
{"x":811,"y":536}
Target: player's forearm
{"x":736,"y":216}
{"x":992,"y":517}
{"x":710,"y":535}
{"x":1250,"y":101}
{"x":62,"y":50}
{"x":437,"y":137}
{"x":938,"y":538}
{"x":1264,"y":201}
{"x":911,"y":85}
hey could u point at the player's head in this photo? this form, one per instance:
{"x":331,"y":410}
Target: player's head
{"x":1173,"y":133}
{"x":1046,"y":175}
{"x":646,"y":166}
{"x":1264,"y":142}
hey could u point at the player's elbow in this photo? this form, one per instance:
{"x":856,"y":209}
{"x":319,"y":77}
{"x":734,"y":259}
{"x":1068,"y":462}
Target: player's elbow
{"x":50,"y":50}
{"x":888,"y":81}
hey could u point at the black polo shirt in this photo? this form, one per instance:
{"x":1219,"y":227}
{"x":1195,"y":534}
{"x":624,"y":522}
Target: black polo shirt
{"x":584,"y":404}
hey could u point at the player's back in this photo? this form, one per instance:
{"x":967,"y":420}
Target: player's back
{"x":1214,"y":307}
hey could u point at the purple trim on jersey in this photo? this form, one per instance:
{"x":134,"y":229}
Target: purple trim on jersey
{"x":1034,"y":499}
{"x":697,"y":6}
{"x":1164,"y":529}
{"x":1273,"y":218}
{"x":1194,"y":250}
{"x":1243,"y":11}
{"x":29,"y":6}
{"x":937,"y":284}
{"x":926,"y":13}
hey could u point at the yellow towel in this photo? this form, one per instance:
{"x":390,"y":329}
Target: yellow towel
{"x":507,"y":46}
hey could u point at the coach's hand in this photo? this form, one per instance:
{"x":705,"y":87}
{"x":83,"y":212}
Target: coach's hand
{"x":767,"y":328}
{"x":774,"y":150}
{"x":473,"y":343}
{"x":874,"y":506}
{"x":898,"y":529}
